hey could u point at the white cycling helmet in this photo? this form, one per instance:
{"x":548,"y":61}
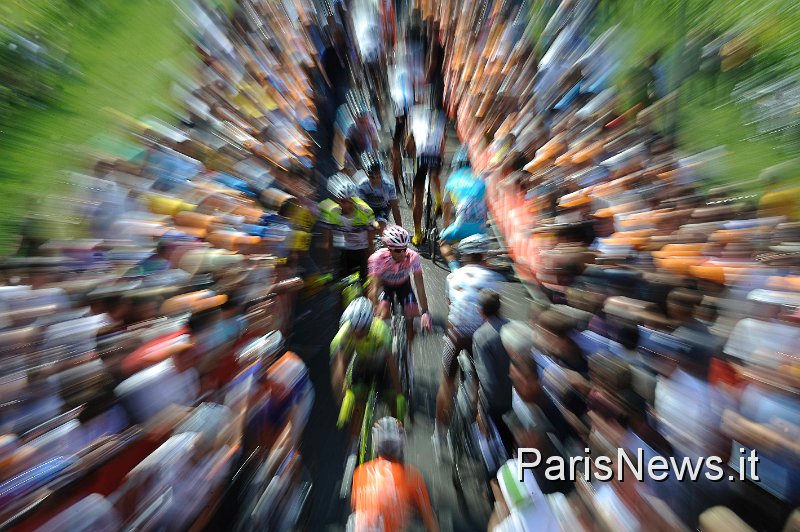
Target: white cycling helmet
{"x":388,"y":439}
{"x":341,"y":187}
{"x":395,"y":237}
{"x":475,"y":244}
{"x":359,"y":313}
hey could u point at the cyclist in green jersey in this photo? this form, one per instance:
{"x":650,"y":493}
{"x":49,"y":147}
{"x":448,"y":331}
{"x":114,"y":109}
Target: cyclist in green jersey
{"x":348,"y":224}
{"x":361,"y":352}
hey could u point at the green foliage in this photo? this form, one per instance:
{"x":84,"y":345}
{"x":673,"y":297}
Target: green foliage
{"x":707,"y":116}
{"x":117,"y":54}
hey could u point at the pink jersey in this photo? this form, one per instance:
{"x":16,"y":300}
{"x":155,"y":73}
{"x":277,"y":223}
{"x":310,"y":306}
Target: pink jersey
{"x":391,"y":272}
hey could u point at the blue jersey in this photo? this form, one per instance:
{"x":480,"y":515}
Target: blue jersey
{"x":467,"y":193}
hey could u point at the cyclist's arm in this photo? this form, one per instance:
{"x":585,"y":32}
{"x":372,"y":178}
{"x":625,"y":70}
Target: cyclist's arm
{"x":371,"y":240}
{"x":390,"y":193}
{"x":375,"y":287}
{"x":423,"y":297}
{"x":341,"y":351}
{"x":422,"y":502}
{"x":479,"y":354}
{"x":396,"y":212}
{"x":447,"y":209}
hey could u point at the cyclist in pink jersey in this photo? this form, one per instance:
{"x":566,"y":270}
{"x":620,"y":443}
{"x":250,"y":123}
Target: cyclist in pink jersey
{"x":391,"y":270}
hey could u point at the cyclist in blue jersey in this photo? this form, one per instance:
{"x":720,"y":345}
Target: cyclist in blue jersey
{"x":464,"y":207}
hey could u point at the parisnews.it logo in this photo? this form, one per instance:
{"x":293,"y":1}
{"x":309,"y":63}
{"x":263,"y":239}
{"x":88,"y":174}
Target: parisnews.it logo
{"x":657,"y":468}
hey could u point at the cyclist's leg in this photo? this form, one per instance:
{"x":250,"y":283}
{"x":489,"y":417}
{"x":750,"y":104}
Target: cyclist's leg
{"x":445,"y":396}
{"x":410,"y":309}
{"x":419,"y":195}
{"x":436,"y":185}
{"x":390,"y":383}
{"x":359,"y":383}
{"x":384,"y":310}
{"x":452,"y":346}
{"x":397,"y":159}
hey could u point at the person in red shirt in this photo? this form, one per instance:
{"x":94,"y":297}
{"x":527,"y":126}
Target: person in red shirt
{"x":386,"y":490}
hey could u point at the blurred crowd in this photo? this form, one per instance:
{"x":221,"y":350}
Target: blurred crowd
{"x":149,"y":359}
{"x":145,"y":378}
{"x":666,"y":313}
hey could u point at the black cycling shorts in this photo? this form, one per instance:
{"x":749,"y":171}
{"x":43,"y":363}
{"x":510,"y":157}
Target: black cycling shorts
{"x":364,"y":372}
{"x":404,"y":294}
{"x":451,"y":347}
{"x":427,"y":163}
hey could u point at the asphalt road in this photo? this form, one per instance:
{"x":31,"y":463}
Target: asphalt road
{"x":323,"y":446}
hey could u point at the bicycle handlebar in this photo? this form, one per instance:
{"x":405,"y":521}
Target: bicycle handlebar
{"x":437,"y":324}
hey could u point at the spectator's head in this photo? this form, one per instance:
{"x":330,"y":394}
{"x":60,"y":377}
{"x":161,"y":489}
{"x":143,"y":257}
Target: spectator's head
{"x":389,"y":439}
{"x":143,"y":307}
{"x":201,"y":327}
{"x":554,"y":329}
{"x":489,"y":303}
{"x":517,"y":338}
{"x":524,"y":375}
{"x":681,"y":303}
{"x":635,"y":408}
{"x":627,"y":335}
{"x":536,"y":310}
{"x":117,"y":307}
{"x":706,"y":310}
{"x":372,"y":167}
{"x":603,"y":223}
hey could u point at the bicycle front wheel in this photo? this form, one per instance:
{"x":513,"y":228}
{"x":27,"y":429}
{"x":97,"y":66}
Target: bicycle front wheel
{"x":407,"y":169}
{"x":403,"y":359}
{"x":365,"y":445}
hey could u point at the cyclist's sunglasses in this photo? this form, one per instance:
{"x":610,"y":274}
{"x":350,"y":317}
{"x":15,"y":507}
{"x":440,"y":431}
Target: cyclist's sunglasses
{"x":397,"y":250}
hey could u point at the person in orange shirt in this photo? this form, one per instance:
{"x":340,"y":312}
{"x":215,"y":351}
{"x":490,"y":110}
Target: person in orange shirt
{"x":386,"y":490}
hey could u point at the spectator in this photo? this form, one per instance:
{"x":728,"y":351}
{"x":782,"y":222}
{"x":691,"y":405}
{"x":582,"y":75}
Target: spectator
{"x":553,"y":339}
{"x":492,"y":363}
{"x":535,"y":421}
{"x":681,"y":304}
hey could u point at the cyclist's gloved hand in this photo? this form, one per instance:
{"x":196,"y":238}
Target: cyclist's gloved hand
{"x":425,"y":321}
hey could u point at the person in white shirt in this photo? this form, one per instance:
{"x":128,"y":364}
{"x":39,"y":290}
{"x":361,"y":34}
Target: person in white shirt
{"x":463,"y":289}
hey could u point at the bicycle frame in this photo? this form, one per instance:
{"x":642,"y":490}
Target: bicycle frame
{"x":430,"y":230}
{"x":464,"y":434}
{"x":365,"y":445}
{"x":403,"y":352}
